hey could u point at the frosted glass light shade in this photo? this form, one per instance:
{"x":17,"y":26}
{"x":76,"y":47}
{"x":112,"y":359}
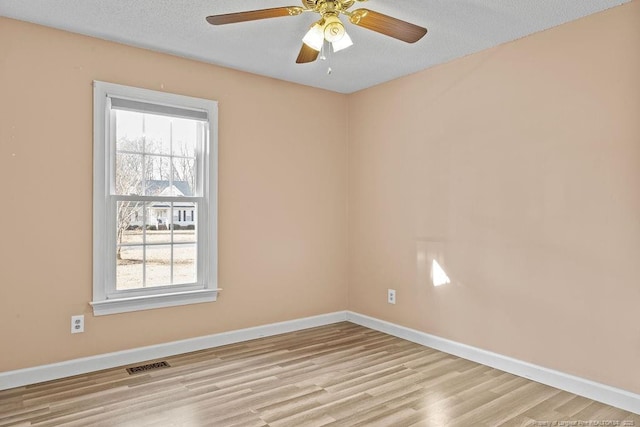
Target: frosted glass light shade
{"x":343,"y":43}
{"x":314,"y":37}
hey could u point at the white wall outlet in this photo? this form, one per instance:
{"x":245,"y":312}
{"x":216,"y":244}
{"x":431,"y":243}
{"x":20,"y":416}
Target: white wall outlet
{"x":391,"y":296}
{"x":77,"y":324}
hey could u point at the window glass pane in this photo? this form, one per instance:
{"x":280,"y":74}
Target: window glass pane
{"x":184,"y":176}
{"x":129,"y":264}
{"x":130,"y":222}
{"x":184,"y":137}
{"x":129,"y":132}
{"x":157,"y":133}
{"x":158,"y":174}
{"x":184,"y":264}
{"x":128,"y":145}
{"x":128,"y":174}
{"x":184,"y":229}
{"x":158,"y":266}
{"x":158,"y":220}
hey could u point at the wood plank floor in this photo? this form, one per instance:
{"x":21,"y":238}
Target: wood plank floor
{"x":337,"y":375}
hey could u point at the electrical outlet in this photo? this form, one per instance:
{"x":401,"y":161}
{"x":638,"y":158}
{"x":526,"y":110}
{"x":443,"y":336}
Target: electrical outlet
{"x":77,"y":324}
{"x":391,"y":296}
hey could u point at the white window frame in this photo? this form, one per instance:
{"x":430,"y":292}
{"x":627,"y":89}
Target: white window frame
{"x":106,"y":299}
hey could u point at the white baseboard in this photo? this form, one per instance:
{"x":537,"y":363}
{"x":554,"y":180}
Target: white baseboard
{"x":21,"y":377}
{"x":600,"y":392}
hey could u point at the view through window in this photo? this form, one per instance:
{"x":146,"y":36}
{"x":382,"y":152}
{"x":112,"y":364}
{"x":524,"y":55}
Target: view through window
{"x":156,"y":234}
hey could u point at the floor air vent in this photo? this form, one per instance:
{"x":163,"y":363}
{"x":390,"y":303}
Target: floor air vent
{"x":147,"y":367}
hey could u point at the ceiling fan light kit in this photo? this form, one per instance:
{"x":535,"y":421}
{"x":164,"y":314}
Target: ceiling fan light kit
{"x":329,"y":27}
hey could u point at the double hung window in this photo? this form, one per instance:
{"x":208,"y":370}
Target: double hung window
{"x":154,"y":160}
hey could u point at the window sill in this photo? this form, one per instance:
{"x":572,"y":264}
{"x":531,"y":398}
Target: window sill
{"x":124,"y":305}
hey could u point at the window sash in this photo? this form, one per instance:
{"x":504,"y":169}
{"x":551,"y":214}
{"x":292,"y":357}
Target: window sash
{"x":202,"y":252}
{"x":201,"y":150}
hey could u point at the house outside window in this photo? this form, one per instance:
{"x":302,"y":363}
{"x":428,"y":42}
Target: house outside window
{"x":155,"y":156}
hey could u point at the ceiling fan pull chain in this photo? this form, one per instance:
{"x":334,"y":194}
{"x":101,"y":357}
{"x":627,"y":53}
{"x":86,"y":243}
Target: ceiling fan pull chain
{"x":324,"y":57}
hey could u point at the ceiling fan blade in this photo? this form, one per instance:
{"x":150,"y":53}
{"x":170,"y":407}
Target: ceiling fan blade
{"x":253,"y":15}
{"x":306,"y":54}
{"x":387,"y":25}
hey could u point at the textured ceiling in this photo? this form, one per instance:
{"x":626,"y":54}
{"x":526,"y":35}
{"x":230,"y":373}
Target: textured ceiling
{"x":270,"y":47}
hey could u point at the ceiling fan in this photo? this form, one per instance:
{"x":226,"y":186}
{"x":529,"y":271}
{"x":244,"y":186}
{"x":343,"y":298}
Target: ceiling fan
{"x":329,"y":27}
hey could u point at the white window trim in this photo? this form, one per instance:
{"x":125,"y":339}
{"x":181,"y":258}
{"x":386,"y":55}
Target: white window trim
{"x":104,"y":238}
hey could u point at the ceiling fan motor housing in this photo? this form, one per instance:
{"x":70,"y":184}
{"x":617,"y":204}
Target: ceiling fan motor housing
{"x":322,"y":6}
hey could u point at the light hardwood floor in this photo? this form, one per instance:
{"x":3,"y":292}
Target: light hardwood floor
{"x":338,"y":375}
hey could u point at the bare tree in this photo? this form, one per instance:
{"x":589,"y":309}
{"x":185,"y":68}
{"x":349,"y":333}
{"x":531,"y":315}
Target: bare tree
{"x":184,"y":169}
{"x":128,"y":181}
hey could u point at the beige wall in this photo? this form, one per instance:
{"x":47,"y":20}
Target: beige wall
{"x":520,"y":167}
{"x":282,"y":197}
